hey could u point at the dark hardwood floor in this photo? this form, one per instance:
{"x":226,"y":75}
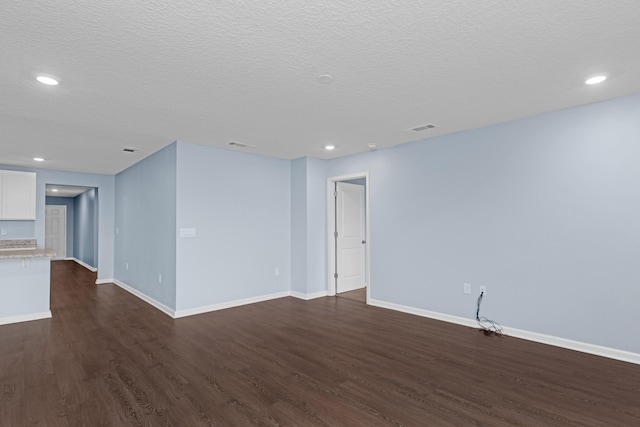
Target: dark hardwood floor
{"x":108,"y":359}
{"x":357,"y":295}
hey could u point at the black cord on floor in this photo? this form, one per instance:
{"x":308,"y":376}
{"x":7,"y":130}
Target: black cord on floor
{"x":489,"y":327}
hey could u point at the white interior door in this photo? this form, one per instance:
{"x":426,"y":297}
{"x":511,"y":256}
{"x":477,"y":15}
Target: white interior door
{"x":350,"y":225}
{"x":56,"y":230}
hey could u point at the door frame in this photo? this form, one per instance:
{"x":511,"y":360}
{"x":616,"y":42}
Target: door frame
{"x":331,"y":228}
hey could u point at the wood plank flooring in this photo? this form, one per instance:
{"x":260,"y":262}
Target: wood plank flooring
{"x":357,"y":295}
{"x":108,"y":359}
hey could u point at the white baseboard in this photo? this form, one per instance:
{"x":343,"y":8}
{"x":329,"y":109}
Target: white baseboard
{"x":197,"y":310}
{"x":105,"y":281}
{"x":598,"y":350}
{"x":424,"y":313}
{"x":25,"y":317}
{"x":84,"y":264}
{"x":308,"y":297}
{"x":145,"y":298}
{"x":612,"y":353}
{"x":230,"y":304}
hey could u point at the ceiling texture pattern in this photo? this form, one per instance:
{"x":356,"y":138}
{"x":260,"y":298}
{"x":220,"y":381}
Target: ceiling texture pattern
{"x":142,"y":74}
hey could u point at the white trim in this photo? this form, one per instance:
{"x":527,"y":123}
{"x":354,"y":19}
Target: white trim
{"x":612,"y":353}
{"x":598,"y":350}
{"x":424,"y":313}
{"x":84,"y":264}
{"x":230,"y":304}
{"x":308,"y":297}
{"x":331,"y":228}
{"x":146,"y":298}
{"x":176,"y":314}
{"x":25,"y":317}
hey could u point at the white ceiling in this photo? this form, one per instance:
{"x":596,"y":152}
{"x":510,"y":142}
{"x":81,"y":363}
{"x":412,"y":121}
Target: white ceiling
{"x":142,"y":74}
{"x":64,"y":190}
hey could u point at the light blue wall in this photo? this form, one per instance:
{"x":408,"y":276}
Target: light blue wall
{"x":17,"y":230}
{"x":145,"y":218}
{"x":240,"y":206}
{"x":105,"y":185}
{"x":544,"y":211}
{"x":69,"y":202}
{"x":299,"y":245}
{"x":316,"y":225}
{"x":24,"y":290}
{"x":308,"y":226}
{"x":85,"y":227}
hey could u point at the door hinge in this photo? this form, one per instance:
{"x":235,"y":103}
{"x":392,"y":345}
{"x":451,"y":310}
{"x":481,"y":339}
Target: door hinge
{"x":335,"y":235}
{"x":335,"y":194}
{"x":335,"y":275}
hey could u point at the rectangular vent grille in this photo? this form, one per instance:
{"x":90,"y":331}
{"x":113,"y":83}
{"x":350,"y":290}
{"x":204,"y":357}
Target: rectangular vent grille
{"x":421,"y":128}
{"x":129,"y":150}
{"x":240,"y":145}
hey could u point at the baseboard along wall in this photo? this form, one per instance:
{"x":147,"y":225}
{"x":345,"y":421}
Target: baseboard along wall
{"x":25,"y":317}
{"x":611,"y":353}
{"x":84,"y":264}
{"x":176,"y":314}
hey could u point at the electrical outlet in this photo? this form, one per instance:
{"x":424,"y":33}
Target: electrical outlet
{"x":483,"y":290}
{"x":467,"y":288}
{"x":4,"y":231}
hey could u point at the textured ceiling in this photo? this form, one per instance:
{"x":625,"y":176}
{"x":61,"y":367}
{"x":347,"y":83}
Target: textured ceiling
{"x":143,"y":74}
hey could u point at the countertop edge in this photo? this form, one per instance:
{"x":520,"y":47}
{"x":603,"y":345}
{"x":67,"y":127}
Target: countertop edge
{"x":27,"y":253}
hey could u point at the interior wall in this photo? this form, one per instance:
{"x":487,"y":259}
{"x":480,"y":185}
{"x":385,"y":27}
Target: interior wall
{"x":544,"y":211}
{"x":145,"y":219}
{"x":299,"y":244}
{"x":85,"y":227}
{"x":69,"y":202}
{"x":308,"y":226}
{"x":17,"y":230}
{"x":316,"y":226}
{"x":240,"y":207}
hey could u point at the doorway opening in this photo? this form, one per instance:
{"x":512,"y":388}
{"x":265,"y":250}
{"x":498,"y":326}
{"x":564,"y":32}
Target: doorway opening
{"x":71,"y":223}
{"x":348,"y":237}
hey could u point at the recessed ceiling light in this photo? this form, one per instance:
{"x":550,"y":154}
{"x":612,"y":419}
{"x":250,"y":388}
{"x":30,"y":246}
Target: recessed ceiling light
{"x":38,"y":159}
{"x":55,"y":190}
{"x":325,"y":79}
{"x":595,"y":80}
{"x":329,"y":147}
{"x":47,"y":80}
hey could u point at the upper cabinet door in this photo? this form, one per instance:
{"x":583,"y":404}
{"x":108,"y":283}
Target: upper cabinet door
{"x":18,"y":195}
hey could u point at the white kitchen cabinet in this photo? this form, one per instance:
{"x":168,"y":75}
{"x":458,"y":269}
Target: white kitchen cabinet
{"x":18,"y":195}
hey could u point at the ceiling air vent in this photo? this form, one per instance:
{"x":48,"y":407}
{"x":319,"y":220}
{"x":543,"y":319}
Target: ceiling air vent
{"x":421,"y":128}
{"x":240,"y":145}
{"x":129,"y":150}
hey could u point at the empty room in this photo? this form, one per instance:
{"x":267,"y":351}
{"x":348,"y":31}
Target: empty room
{"x":333,"y":213}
